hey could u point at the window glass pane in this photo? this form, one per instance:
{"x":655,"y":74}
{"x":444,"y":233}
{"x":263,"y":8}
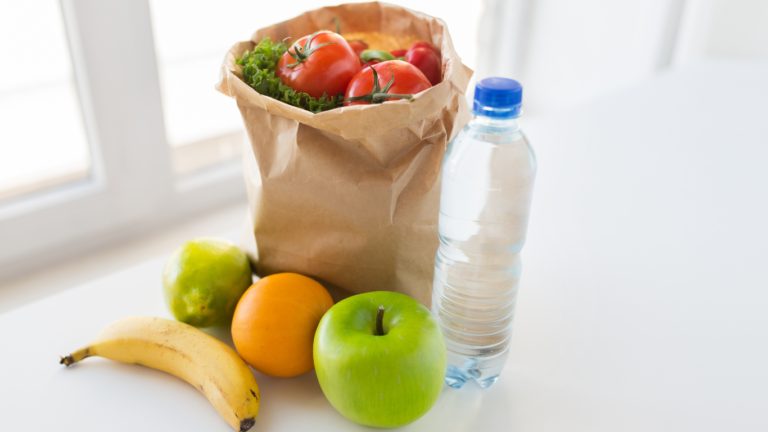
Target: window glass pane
{"x":191,"y":38}
{"x":42,"y":138}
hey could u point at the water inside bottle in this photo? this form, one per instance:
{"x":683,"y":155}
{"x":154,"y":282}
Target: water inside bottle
{"x":488,"y":175}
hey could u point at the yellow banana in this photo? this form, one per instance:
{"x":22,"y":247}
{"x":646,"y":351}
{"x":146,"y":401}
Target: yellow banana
{"x":198,"y":358}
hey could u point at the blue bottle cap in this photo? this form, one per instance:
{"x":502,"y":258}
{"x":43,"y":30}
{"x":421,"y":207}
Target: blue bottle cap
{"x":498,"y":97}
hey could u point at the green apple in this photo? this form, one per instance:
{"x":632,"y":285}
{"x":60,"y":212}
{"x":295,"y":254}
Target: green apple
{"x":380,"y":358}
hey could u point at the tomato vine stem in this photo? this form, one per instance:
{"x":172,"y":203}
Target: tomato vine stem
{"x":378,"y":94}
{"x":301,"y":54}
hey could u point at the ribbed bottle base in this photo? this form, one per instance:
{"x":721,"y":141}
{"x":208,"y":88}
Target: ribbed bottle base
{"x":484,"y":371}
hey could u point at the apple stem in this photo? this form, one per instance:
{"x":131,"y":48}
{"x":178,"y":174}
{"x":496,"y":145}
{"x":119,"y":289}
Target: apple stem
{"x":379,"y":322}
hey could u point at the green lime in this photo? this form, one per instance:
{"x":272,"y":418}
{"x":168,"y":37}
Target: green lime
{"x":204,"y":279}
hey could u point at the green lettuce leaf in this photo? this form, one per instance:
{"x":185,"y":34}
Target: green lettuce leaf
{"x":259,"y":72}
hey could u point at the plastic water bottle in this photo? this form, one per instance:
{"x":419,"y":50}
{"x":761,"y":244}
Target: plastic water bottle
{"x":488,"y":175}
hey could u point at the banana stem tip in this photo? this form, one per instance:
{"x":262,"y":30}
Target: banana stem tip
{"x":66,"y":361}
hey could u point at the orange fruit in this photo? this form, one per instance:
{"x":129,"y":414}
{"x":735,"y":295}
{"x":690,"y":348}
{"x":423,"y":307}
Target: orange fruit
{"x":275,"y":322}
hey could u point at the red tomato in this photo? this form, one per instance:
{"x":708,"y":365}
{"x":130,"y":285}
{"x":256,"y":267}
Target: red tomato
{"x":398,"y":53}
{"x":408,"y":80}
{"x":426,"y":45}
{"x":427,"y":61}
{"x":327,"y":69}
{"x":357,"y":46}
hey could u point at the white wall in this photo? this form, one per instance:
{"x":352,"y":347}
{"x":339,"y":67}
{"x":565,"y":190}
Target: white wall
{"x":566,"y":53}
{"x":582,"y":50}
{"x":725,"y":29}
{"x":740,"y":30}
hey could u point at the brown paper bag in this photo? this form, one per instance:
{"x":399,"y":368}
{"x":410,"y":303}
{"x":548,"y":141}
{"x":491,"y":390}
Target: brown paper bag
{"x":350,"y":196}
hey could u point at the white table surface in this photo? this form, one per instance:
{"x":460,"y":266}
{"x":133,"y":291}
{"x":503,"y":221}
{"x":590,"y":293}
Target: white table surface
{"x":644,"y":301}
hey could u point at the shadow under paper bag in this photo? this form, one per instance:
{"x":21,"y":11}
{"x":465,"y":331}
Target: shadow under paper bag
{"x":350,"y":196}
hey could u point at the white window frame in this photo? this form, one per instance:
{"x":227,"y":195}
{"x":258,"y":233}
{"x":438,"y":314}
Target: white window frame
{"x":132,"y":188}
